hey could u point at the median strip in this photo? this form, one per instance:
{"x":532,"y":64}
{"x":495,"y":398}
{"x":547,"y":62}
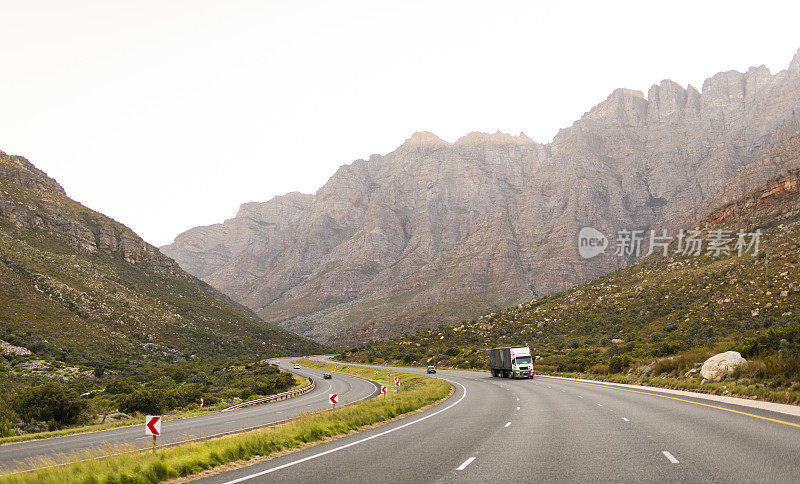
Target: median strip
{"x":274,"y":398}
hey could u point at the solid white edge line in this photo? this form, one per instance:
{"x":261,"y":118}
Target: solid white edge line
{"x":670,"y":457}
{"x":465,"y":464}
{"x":342,"y":447}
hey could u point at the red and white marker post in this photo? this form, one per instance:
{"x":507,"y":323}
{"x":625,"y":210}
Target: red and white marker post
{"x":202,"y":402}
{"x":334,"y":398}
{"x":152,"y":426}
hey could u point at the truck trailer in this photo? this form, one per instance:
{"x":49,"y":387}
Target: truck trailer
{"x":513,"y":362}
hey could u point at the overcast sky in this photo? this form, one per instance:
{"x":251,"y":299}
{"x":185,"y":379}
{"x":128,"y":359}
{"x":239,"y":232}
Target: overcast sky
{"x":169,"y":114}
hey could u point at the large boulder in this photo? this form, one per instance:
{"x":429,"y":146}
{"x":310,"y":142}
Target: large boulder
{"x":719,"y":365}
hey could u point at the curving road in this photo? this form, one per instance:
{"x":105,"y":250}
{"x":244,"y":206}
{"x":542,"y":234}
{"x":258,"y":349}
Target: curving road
{"x":348,"y":387}
{"x":550,"y":429}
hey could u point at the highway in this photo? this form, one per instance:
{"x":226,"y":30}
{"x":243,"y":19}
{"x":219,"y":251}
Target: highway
{"x":550,"y":429}
{"x":349,"y":388}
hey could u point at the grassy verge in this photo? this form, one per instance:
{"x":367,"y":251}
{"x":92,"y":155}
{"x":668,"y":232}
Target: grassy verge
{"x":299,"y":382}
{"x":416,"y":391}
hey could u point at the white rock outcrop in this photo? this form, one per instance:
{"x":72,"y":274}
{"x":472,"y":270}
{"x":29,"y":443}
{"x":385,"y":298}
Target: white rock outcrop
{"x":719,"y":365}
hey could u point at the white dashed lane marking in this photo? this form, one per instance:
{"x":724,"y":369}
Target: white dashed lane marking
{"x":465,"y":464}
{"x":670,"y":457}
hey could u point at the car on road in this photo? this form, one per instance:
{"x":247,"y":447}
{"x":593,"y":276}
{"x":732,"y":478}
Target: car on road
{"x":327,"y":376}
{"x":431,"y":369}
{"x":296,"y":366}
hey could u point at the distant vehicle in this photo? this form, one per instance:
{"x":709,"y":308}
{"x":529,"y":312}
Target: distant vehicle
{"x":513,"y":362}
{"x":431,"y":369}
{"x":296,"y":366}
{"x":326,"y":376}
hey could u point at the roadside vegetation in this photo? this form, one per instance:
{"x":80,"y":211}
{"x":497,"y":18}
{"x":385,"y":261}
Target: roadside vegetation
{"x":416,"y":391}
{"x":96,"y":325}
{"x":654,"y":322}
{"x":40,"y":407}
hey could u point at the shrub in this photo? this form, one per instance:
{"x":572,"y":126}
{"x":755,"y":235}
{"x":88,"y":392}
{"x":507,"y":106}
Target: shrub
{"x":49,"y":402}
{"x":618,"y":363}
{"x":145,"y":402}
{"x":120,"y":387}
{"x":452,"y":351}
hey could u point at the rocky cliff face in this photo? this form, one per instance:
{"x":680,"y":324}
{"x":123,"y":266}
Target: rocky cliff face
{"x":436,"y":232}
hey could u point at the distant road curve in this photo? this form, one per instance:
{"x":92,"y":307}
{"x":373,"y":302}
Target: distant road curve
{"x":173,"y":431}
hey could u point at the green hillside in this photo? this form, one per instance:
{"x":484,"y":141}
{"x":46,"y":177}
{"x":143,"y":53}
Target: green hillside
{"x":82,"y":288}
{"x":87,"y":307}
{"x":658,"y":318}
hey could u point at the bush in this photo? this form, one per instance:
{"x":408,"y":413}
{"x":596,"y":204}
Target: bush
{"x":618,"y":363}
{"x":146,"y":402}
{"x":6,"y":429}
{"x":120,"y":387}
{"x":452,"y":351}
{"x":49,"y":402}
{"x":187,"y":394}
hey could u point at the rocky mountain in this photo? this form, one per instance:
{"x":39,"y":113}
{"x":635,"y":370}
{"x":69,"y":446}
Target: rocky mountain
{"x":78,"y":287}
{"x":657,"y":320}
{"x":434,"y":232}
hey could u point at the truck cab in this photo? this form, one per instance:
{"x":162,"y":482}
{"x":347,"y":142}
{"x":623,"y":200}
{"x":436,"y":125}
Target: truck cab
{"x":521,"y":363}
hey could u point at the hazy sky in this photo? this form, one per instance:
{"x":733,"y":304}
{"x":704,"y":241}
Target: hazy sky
{"x":169,"y":114}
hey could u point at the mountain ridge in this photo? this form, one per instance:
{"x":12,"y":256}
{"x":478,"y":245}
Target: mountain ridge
{"x":435,"y":232}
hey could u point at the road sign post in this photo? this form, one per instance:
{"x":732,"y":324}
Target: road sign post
{"x":334,"y":398}
{"x":152,"y":426}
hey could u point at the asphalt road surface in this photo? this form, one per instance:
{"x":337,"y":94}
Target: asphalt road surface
{"x":548,"y":429}
{"x":349,"y":389}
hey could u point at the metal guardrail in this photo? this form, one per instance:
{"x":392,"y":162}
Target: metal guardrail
{"x":274,"y":398}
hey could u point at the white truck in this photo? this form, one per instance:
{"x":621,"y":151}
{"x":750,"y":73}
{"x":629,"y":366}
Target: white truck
{"x":513,"y":362}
